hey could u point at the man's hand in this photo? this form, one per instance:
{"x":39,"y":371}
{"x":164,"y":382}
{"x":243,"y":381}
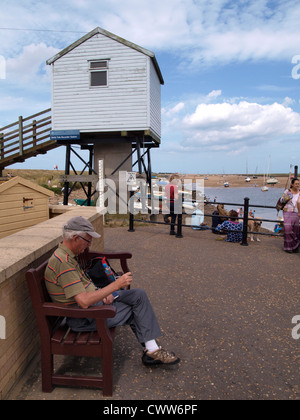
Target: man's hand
{"x":108,"y":300}
{"x":85,"y":300}
{"x":124,"y":281}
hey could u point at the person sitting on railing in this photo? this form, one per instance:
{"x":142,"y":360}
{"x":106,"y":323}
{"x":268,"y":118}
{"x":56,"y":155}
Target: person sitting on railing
{"x":232,"y":227}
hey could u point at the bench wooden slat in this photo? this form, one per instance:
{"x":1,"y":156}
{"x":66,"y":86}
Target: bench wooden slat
{"x":58,"y":335}
{"x":70,"y":338}
{"x":83,"y":338}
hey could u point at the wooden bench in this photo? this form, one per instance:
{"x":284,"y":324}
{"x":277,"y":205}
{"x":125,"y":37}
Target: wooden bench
{"x":58,"y":339}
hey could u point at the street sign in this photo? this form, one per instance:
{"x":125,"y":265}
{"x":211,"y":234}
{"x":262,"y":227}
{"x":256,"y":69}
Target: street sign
{"x":65,"y":135}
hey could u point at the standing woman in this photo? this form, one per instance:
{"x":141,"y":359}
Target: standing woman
{"x":291,"y":217}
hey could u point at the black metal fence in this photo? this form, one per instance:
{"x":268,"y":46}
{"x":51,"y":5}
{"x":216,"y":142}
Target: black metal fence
{"x":180,"y":225}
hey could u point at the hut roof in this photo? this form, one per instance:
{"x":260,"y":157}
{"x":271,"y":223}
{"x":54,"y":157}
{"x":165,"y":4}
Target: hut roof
{"x":123,"y":41}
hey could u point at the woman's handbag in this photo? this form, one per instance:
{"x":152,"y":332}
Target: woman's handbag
{"x":284,"y":199}
{"x":280,"y":206}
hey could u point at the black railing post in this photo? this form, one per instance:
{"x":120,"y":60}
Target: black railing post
{"x":67,"y":172}
{"x":245,"y":222}
{"x":179,"y":226}
{"x":131,"y":213}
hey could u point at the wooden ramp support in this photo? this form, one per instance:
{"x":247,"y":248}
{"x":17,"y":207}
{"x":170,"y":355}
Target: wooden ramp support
{"x":26,"y":138}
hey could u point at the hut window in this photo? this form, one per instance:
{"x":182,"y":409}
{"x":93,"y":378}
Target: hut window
{"x":98,"y":70}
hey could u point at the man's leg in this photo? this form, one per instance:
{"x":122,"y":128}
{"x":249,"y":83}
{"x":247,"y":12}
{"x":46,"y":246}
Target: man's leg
{"x":134,"y":308}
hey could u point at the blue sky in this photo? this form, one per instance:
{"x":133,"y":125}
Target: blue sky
{"x":231,"y":97}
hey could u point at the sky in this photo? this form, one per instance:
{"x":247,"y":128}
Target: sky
{"x":231,"y":99}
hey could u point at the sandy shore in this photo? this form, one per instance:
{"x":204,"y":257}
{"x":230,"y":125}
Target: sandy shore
{"x":236,"y":181}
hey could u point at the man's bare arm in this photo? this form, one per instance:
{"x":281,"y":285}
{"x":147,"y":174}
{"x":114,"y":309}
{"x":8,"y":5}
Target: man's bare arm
{"x":85,"y":300}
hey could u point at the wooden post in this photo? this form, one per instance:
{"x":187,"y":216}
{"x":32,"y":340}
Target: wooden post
{"x":1,"y":146}
{"x":34,"y":133}
{"x":20,"y":135}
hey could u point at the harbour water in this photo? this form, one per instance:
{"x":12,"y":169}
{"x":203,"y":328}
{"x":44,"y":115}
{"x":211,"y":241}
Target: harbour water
{"x":256,"y":196}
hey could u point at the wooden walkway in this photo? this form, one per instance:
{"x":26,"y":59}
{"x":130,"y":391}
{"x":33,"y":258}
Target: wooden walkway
{"x":26,"y":138}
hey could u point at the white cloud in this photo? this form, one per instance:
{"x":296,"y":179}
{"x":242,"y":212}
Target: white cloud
{"x":288,"y":101}
{"x":174,"y":110}
{"x":214,"y":94}
{"x":225,"y":126}
{"x":204,"y":31}
{"x":8,"y":103}
{"x":30,"y":63}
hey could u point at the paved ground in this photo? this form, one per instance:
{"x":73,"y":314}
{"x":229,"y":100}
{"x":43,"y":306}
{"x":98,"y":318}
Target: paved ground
{"x":226,"y":310}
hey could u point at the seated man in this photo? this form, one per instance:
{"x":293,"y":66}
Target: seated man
{"x":67,"y":283}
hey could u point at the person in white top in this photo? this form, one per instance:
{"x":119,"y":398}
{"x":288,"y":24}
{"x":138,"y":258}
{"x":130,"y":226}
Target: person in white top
{"x":291,"y":213}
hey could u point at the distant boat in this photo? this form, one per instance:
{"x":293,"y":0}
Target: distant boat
{"x":226,"y":184}
{"x":272,"y":181}
{"x":255,"y":176}
{"x":264,"y":187}
{"x":247,"y":179}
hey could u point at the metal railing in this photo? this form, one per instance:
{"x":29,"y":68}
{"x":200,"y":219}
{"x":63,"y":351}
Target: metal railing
{"x":245,"y":232}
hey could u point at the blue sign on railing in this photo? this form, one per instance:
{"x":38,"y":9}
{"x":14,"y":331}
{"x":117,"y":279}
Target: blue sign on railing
{"x":65,"y":135}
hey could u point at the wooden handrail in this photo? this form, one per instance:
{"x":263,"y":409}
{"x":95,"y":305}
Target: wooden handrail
{"x":19,"y":141}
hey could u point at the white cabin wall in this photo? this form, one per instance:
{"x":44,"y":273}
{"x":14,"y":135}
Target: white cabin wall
{"x":155,"y":101}
{"x":120,"y":106}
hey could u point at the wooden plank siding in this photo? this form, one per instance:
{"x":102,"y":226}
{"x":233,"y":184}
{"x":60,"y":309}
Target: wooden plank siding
{"x":22,"y":206}
{"x":155,"y":101}
{"x":124,"y":105}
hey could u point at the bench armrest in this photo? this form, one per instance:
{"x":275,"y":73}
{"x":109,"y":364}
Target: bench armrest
{"x":122,"y":256}
{"x":96,"y":312}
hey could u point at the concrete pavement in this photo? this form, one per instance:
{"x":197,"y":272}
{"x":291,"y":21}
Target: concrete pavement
{"x":226,"y":310}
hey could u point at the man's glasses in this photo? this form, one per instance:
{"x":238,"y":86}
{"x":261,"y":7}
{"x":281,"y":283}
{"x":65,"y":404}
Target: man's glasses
{"x":89,"y":241}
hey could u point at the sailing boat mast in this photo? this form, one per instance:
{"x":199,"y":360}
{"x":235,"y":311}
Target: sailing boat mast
{"x":271,"y":180}
{"x":265,"y":188}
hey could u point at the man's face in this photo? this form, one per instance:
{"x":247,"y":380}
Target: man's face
{"x":81,"y":242}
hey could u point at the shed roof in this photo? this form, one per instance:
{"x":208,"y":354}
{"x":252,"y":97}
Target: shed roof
{"x":123,"y":41}
{"x":18,"y":180}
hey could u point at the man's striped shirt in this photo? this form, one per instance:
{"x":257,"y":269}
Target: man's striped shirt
{"x":64,"y":277}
